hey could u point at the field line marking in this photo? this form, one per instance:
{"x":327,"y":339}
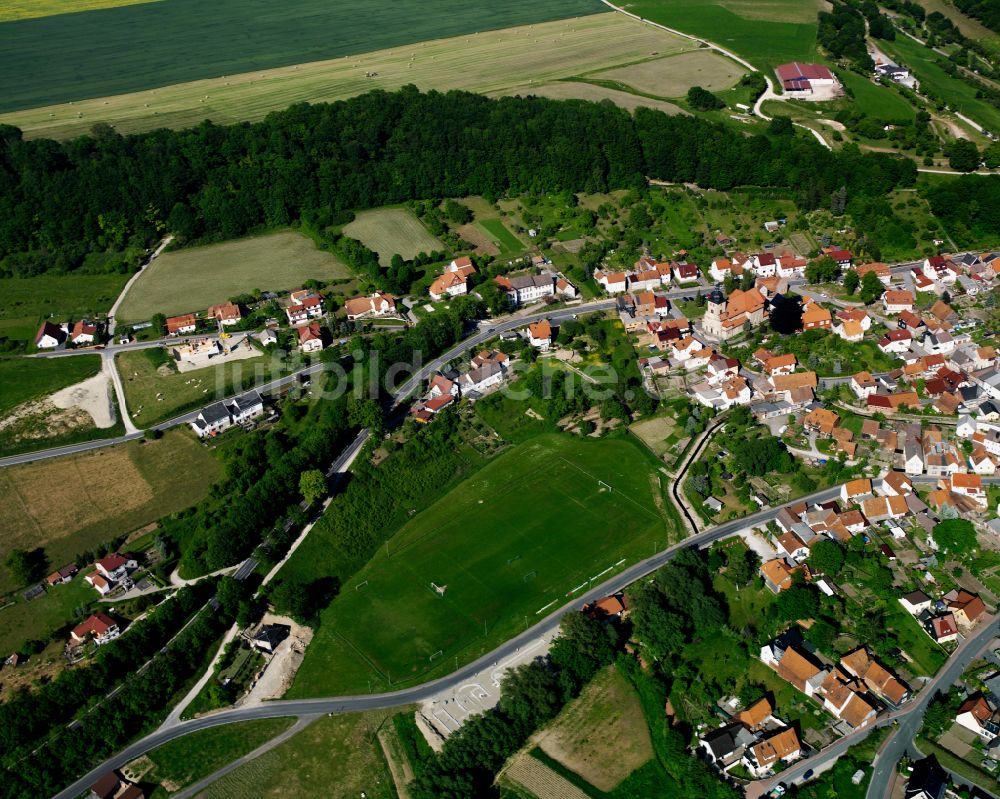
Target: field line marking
{"x":574,"y":590}
{"x":619,"y":563}
{"x":546,"y":607}
{"x":620,"y":493}
{"x":362,"y":655}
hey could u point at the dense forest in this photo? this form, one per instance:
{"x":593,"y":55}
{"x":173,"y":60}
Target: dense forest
{"x":63,"y":203}
{"x":969,"y":207}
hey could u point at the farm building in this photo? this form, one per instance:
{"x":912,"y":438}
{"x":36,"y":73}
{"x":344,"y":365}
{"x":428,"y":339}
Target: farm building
{"x":807,"y":81}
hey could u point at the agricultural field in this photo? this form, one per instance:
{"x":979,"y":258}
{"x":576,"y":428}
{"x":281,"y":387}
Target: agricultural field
{"x":492,"y":62}
{"x":24,"y":379}
{"x":673,"y":76}
{"x":500,"y":235}
{"x":392,"y":231}
{"x":608,"y":709}
{"x":960,"y":95}
{"x":577,"y":90}
{"x":766,"y":34}
{"x":968,"y":26}
{"x":334,"y":756}
{"x":195,"y":756}
{"x":541,"y":516}
{"x":193,"y":279}
{"x":881,"y":102}
{"x":25,"y":302}
{"x":30,"y":9}
{"x":64,"y":58}
{"x":155,"y":391}
{"x":76,"y":503}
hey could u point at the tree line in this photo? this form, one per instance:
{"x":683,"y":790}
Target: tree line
{"x":62,"y":202}
{"x":29,"y":716}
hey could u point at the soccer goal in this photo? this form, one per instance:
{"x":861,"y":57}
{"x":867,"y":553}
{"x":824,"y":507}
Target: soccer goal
{"x":529,"y":576}
{"x":360,"y":585}
{"x":435,"y":656}
{"x":602,"y":486}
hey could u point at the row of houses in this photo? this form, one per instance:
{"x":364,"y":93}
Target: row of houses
{"x":81,"y":333}
{"x":854,"y":690}
{"x":754,"y":738}
{"x":220,"y":416}
{"x":943,"y":619}
{"x":487,"y":369}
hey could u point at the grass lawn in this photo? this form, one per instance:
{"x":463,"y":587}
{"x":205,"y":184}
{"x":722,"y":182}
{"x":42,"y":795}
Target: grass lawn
{"x":764,"y":34}
{"x":392,"y":231}
{"x":488,"y":62}
{"x":194,"y":278}
{"x":184,"y":391}
{"x":25,"y":302}
{"x":334,"y":756}
{"x":516,"y":539}
{"x":23,"y":379}
{"x":957,"y":93}
{"x":571,"y":89}
{"x":189,"y":759}
{"x":42,"y":617}
{"x":880,"y":102}
{"x":607,"y":709}
{"x":502,"y":237}
{"x":954,"y":763}
{"x":927,"y":656}
{"x":76,"y":503}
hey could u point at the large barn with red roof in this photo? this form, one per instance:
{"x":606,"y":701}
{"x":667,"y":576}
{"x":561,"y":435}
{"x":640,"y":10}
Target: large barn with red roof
{"x":803,"y":80}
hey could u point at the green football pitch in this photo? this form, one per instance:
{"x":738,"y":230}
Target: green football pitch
{"x":521,"y":537}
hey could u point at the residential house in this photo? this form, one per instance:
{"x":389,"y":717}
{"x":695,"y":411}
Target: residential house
{"x":792,"y":387}
{"x":780,"y":364}
{"x":915,"y":602}
{"x":793,"y":664}
{"x":181,"y":325}
{"x":896,"y":484}
{"x":927,"y":780}
{"x":777,"y":575}
{"x":540,"y":334}
{"x":875,"y":676}
{"x":790,"y":266}
{"x":966,"y":606}
{"x":49,"y":336}
{"x":63,"y":575}
{"x":897,"y":301}
{"x":99,"y":626}
{"x":612,"y":282}
{"x":880,"y":509}
{"x":685,"y":272}
{"x":762,"y":756}
{"x":99,"y":583}
{"x":757,"y":715}
{"x":220,"y":416}
{"x":311,"y":338}
{"x":378,"y":304}
{"x":910,"y":321}
{"x":441,"y":386}
{"x":844,"y":258}
{"x":854,"y":490}
{"x":942,"y":629}
{"x":116,"y":567}
{"x":454,"y":280}
{"x":84,"y":332}
{"x":881,"y":271}
{"x":791,"y":546}
{"x":724,"y":747}
{"x":821,"y":420}
{"x":863,"y":384}
{"x":816,"y":317}
{"x":967,"y":485}
{"x":303,"y":305}
{"x":523,"y":289}
{"x":226,"y":314}
{"x":849,"y":331}
{"x":895,"y":341}
{"x":979,"y":716}
{"x":982,"y":462}
{"x":721,"y":267}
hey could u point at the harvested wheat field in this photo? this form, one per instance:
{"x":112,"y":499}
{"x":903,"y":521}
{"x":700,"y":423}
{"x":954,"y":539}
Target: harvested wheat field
{"x":68,"y":505}
{"x":607,"y":710}
{"x":539,"y":780}
{"x":575,"y":90}
{"x":673,"y":76}
{"x":392,"y":231}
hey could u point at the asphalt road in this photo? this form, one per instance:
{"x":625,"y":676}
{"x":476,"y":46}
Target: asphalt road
{"x":416,"y":694}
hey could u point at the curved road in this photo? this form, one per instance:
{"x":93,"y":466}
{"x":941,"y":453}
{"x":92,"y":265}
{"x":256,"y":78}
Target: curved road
{"x":349,"y":704}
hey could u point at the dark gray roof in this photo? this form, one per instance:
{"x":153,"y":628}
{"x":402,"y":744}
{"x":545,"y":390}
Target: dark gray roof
{"x":928,"y":779}
{"x":215,"y":413}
